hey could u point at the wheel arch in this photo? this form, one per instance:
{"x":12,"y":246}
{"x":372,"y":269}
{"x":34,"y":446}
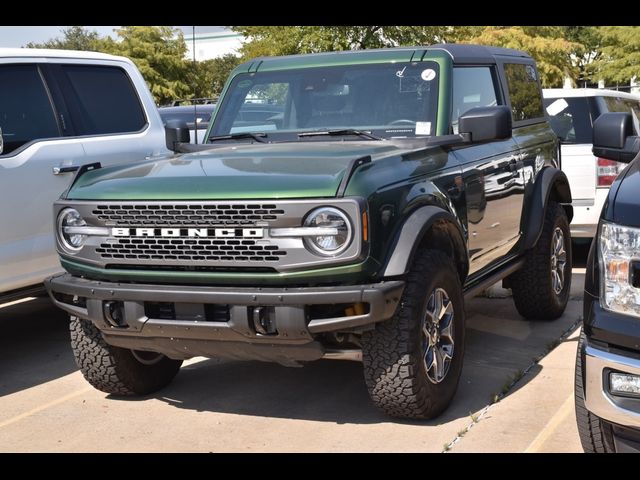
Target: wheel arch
{"x":551,"y":184}
{"x":427,"y":227}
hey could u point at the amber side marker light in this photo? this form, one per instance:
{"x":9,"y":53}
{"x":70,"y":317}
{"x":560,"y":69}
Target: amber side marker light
{"x":365,"y":226}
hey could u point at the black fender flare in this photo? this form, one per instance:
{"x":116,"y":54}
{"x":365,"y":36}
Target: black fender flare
{"x":550,"y":181}
{"x":412,"y":232}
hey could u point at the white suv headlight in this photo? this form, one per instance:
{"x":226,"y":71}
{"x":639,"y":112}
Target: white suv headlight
{"x":333,"y":219}
{"x":619,"y":247}
{"x":70,"y":232}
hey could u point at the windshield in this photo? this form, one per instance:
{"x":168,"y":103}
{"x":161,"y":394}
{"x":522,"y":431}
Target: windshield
{"x":387,"y":100}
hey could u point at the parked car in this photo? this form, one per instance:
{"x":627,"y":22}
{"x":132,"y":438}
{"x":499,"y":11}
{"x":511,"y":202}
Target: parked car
{"x":349,"y":222}
{"x":571,"y":115}
{"x":60,"y":110}
{"x":187,"y":113}
{"x":607,"y":386}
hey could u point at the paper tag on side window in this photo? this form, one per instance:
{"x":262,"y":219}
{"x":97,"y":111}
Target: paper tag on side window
{"x":423,"y":128}
{"x":556,"y":107}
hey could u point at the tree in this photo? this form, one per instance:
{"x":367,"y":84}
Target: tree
{"x":591,"y":40}
{"x":159,"y":53}
{"x":552,"y":53}
{"x":289,"y":40}
{"x":620,"y":54}
{"x":73,"y":38}
{"x":209,"y":76}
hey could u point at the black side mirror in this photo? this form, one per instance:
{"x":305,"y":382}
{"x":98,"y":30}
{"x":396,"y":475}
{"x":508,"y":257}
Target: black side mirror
{"x":613,"y":137}
{"x":486,"y":123}
{"x":176,"y":132}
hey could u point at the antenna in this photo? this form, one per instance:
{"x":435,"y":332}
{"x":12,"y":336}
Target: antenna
{"x":195,"y":83}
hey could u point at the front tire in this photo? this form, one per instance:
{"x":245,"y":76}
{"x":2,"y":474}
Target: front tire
{"x":412,"y":362}
{"x":541,"y":287}
{"x":595,"y":433}
{"x":116,"y":370}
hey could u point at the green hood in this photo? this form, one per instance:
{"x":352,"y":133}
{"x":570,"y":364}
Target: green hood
{"x":285,"y":170}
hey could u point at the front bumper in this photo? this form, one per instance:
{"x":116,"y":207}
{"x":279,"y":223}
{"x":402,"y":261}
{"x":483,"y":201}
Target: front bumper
{"x":597,"y":365}
{"x":235,"y":338}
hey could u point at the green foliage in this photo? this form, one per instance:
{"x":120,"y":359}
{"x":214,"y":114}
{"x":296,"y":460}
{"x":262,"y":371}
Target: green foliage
{"x":620,"y":54}
{"x":73,"y":38}
{"x":289,"y":40}
{"x":552,"y":53}
{"x":209,"y":76}
{"x":159,"y":53}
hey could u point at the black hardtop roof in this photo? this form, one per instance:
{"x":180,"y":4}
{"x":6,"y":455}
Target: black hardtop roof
{"x":463,"y":53}
{"x":459,"y":52}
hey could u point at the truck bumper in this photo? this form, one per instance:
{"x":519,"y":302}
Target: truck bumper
{"x":623,"y":413}
{"x":187,"y":321}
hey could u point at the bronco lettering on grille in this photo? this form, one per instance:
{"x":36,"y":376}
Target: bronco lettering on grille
{"x":188,"y":232}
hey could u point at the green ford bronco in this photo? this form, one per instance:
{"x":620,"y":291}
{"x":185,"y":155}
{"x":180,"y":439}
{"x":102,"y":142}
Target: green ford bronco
{"x":344,"y":206}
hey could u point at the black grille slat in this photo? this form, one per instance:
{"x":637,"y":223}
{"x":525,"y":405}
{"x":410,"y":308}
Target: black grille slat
{"x":197,"y":250}
{"x":185,"y":215}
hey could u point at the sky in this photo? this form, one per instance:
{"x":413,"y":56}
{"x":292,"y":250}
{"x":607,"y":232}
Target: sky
{"x":20,"y":36}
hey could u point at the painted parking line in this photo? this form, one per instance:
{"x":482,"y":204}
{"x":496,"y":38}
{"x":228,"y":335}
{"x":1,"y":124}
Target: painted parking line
{"x":551,"y":427}
{"x":40,"y":408}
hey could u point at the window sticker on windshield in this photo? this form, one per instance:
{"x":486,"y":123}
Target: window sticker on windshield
{"x":556,"y":107}
{"x":428,"y":75}
{"x":423,"y":128}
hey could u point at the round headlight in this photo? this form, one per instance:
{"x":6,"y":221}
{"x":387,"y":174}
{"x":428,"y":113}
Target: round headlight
{"x":329,"y":217}
{"x":68,"y":219}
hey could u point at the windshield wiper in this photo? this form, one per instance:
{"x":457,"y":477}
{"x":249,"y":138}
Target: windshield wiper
{"x":258,"y":137}
{"x":343,"y":131}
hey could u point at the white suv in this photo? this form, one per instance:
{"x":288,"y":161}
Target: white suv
{"x":60,"y":110}
{"x":571,"y":114}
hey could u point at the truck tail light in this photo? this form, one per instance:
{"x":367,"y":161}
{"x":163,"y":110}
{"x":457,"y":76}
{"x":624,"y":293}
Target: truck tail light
{"x":608,"y":170}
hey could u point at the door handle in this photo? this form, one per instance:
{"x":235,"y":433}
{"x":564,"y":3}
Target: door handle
{"x":61,"y":170}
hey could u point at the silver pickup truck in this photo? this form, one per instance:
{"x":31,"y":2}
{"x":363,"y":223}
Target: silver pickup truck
{"x":60,"y":110}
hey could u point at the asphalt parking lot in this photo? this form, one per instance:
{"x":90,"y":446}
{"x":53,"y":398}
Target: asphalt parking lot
{"x":514,"y":396}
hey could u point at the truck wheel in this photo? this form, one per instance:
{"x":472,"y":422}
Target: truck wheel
{"x":412,"y":362}
{"x":541,"y":287}
{"x":595,"y":434}
{"x":116,"y":370}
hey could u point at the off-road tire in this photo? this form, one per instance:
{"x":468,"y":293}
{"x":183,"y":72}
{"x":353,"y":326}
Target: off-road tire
{"x":595,"y":434}
{"x":394,"y":371}
{"x":532,"y":286}
{"x":115,"y":370}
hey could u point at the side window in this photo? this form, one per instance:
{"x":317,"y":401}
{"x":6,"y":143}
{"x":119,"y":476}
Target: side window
{"x":524,"y":91}
{"x":26,"y":113}
{"x":472,"y":87}
{"x":101,"y":100}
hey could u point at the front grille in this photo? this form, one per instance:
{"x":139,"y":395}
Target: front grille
{"x":187,"y":214}
{"x":202,"y":249}
{"x":213,"y":236}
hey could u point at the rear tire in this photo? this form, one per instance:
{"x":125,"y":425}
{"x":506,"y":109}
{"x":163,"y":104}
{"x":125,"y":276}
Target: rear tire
{"x":541,"y":287}
{"x":595,"y":434}
{"x":116,"y":370}
{"x":398,"y":355}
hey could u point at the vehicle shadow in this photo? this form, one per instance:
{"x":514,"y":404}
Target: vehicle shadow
{"x":34,"y":345}
{"x":499,"y":345}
